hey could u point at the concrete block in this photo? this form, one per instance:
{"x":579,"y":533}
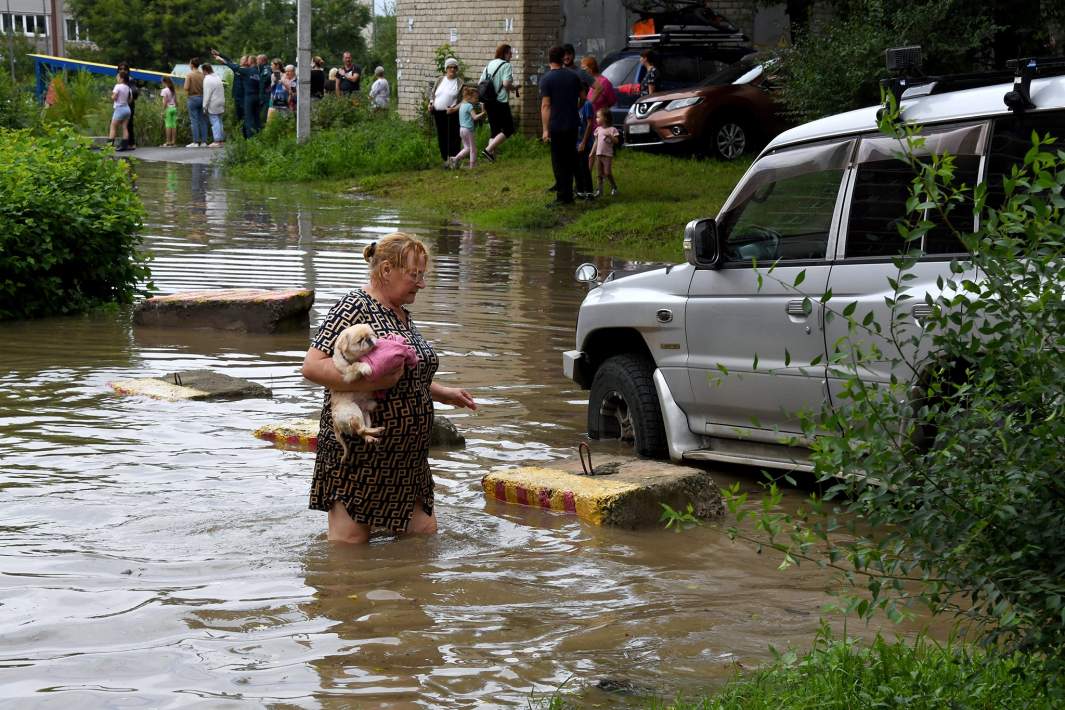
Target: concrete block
{"x":629,"y":498}
{"x":302,"y":434}
{"x":196,"y":385}
{"x":247,"y":309}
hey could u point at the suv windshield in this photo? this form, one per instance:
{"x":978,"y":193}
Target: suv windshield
{"x":727,"y":75}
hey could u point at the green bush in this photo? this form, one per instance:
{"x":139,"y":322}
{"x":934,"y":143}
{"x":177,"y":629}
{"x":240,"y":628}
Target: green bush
{"x":369,"y":145}
{"x":18,"y":107}
{"x":70,"y":224}
{"x":82,"y":100}
{"x":837,"y":67}
{"x":919,"y":675}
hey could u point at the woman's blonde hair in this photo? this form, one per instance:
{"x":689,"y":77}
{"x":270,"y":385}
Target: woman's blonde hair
{"x":395,"y":249}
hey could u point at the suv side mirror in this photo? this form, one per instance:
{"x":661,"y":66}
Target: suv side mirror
{"x":701,"y":247}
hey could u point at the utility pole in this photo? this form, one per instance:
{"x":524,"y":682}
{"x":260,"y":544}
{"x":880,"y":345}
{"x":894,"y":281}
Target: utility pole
{"x":303,"y":70}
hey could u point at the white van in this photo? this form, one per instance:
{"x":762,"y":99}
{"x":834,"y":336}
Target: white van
{"x":669,"y":355}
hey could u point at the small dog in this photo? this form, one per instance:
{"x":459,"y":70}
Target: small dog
{"x":351,"y":410}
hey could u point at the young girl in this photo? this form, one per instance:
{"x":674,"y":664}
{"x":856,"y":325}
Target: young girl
{"x":606,"y":137}
{"x":467,"y":115}
{"x":120,"y":117}
{"x":169,"y":112}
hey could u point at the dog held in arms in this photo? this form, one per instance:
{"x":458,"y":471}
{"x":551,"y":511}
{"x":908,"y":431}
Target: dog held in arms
{"x":358,"y":353}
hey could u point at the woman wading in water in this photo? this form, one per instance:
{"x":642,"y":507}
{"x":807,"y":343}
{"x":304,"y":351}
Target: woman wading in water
{"x":385,"y":485}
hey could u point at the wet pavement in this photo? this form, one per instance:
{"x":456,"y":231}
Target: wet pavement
{"x":155,"y":554}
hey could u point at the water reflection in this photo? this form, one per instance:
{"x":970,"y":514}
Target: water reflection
{"x":156,"y":553}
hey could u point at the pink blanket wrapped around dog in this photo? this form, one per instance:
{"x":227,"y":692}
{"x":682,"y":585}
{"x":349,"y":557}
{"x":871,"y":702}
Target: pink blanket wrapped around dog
{"x":389,"y":352}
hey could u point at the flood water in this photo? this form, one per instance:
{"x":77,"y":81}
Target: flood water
{"x":156,"y":554}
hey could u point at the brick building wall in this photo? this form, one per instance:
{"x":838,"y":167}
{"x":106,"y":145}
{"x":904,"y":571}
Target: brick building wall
{"x":474,"y":28}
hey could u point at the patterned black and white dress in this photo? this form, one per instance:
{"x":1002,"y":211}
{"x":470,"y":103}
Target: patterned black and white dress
{"x":379,"y":482}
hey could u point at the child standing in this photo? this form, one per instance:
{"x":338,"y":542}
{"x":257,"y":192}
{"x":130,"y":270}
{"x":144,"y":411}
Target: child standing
{"x":467,"y":115}
{"x":169,"y":112}
{"x":606,"y":137}
{"x":585,"y":130}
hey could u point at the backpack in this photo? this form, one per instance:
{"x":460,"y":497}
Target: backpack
{"x":610,"y":97}
{"x":279,"y":95}
{"x":486,"y":87}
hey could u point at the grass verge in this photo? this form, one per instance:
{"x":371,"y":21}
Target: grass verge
{"x":398,"y":162}
{"x":911,"y":674}
{"x":658,"y":195}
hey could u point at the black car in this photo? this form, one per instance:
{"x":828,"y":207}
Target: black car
{"x":680,"y":66}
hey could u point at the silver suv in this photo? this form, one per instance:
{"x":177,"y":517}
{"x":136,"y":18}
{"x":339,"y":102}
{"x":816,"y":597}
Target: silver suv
{"x":669,"y":354}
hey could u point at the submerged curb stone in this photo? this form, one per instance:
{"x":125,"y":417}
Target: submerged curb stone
{"x":248,"y":309}
{"x":302,"y":434}
{"x":630,"y":498}
{"x":192,"y":385}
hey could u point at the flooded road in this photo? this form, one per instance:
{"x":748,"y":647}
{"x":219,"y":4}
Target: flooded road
{"x":157,"y":555}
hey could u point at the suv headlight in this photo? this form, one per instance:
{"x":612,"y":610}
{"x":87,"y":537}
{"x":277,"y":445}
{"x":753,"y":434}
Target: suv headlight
{"x":632,"y":109}
{"x":683,"y":103}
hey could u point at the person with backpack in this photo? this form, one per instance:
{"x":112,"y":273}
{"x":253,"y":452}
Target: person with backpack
{"x":601,"y":92}
{"x":494,"y":87}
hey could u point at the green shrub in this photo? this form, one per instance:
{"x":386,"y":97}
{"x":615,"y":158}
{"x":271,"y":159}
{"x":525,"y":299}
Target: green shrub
{"x":18,"y":107}
{"x":70,"y":225}
{"x":920,"y":674}
{"x":371,"y":145}
{"x":82,"y":100}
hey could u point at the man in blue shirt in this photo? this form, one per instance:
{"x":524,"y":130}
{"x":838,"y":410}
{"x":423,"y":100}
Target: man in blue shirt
{"x":560,"y":92}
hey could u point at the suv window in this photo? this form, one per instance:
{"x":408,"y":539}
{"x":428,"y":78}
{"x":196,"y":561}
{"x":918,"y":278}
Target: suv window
{"x":622,"y":71}
{"x":882,"y":186}
{"x":784,"y":208}
{"x":1010,"y":140}
{"x":680,"y":69}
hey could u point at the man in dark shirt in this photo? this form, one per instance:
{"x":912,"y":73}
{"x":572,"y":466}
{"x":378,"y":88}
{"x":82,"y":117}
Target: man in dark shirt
{"x":246,"y":75}
{"x":348,"y":77}
{"x":560,"y":92}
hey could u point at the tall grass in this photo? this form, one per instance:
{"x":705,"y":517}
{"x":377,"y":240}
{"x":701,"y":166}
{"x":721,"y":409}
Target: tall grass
{"x":369,"y":145}
{"x":921,"y":674}
{"x":83,"y":101}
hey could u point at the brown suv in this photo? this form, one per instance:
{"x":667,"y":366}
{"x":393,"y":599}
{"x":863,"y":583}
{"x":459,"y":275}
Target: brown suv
{"x":730,"y":113}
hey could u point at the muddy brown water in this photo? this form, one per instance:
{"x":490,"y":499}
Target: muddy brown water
{"x":157,"y":555}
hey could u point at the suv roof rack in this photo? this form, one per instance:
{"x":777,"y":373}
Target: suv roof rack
{"x":689,"y":36}
{"x":906,"y":61}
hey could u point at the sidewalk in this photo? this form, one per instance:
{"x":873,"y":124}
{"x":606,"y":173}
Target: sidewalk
{"x":187,"y":156}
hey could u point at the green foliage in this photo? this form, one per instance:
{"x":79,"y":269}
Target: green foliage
{"x":15,"y":61}
{"x":269,"y":28}
{"x":951,"y":498}
{"x":337,"y":112}
{"x":153,"y":34}
{"x":370,"y":145}
{"x":922,"y":675}
{"x":837,"y":67}
{"x":441,"y":55}
{"x":383,"y":49}
{"x":18,"y":106}
{"x":82,"y":100}
{"x":678,"y":520}
{"x":70,"y":225}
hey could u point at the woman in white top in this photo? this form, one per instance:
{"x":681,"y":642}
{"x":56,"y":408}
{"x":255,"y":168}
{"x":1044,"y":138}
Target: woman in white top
{"x":214,"y":103}
{"x":380,"y":92}
{"x":120,"y":114}
{"x":444,"y":106}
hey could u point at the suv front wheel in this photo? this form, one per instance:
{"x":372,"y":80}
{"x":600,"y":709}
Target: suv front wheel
{"x":623,"y":405}
{"x":728,"y":138}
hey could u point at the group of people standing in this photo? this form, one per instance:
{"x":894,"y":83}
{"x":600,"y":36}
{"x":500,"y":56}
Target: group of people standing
{"x":261,"y":90}
{"x":575,"y":111}
{"x":453,"y":105}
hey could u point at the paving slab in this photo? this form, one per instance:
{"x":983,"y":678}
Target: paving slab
{"x":243,"y":309}
{"x":629,"y":498}
{"x":302,"y":434}
{"x":192,"y":385}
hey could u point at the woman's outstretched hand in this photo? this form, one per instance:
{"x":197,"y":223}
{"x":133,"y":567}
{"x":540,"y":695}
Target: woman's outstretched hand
{"x":454,"y":396}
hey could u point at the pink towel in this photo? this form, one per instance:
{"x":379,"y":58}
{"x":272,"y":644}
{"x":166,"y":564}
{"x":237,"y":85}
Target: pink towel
{"x":389,"y":352}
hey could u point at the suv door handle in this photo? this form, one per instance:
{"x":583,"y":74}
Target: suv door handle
{"x":796,"y":308}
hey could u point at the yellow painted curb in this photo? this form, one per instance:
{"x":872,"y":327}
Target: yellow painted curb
{"x":296,"y":434}
{"x":589,"y":498}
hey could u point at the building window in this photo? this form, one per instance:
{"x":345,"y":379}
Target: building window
{"x":74,"y":32}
